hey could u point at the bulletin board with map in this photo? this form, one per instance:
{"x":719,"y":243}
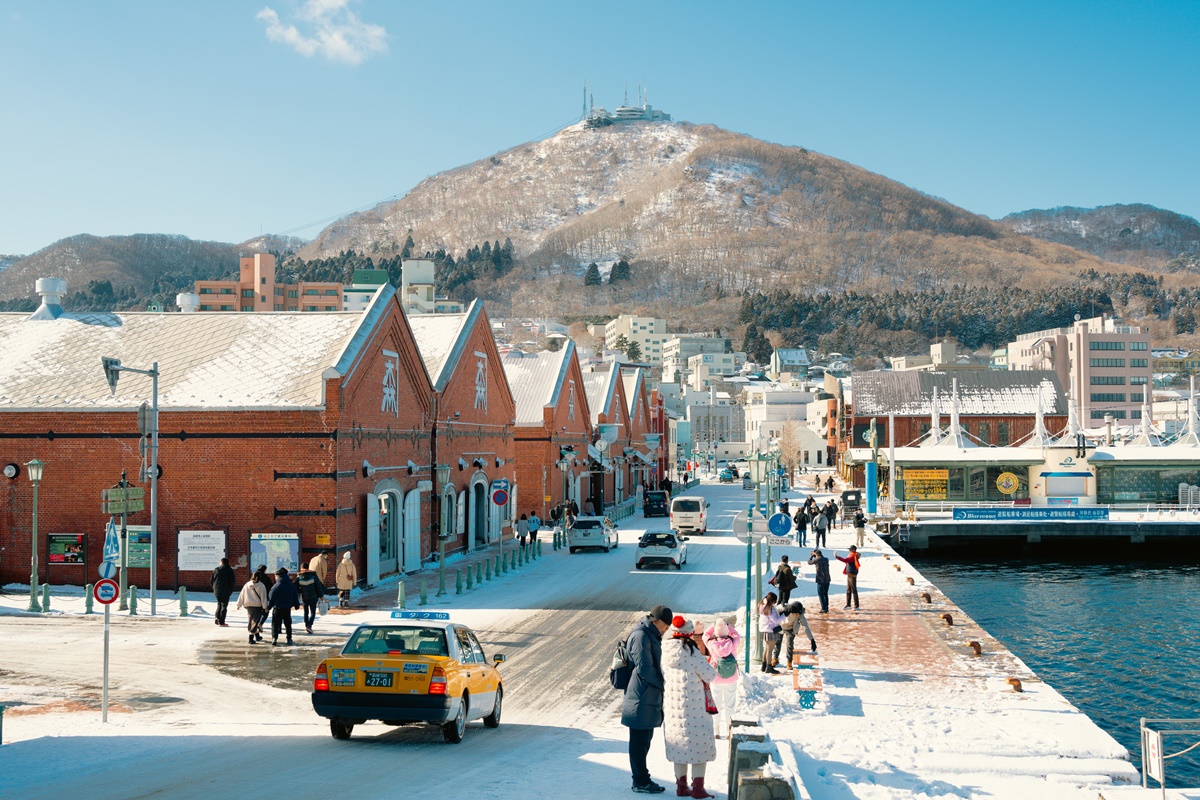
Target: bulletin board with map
{"x":925,"y":484}
{"x":275,"y":550}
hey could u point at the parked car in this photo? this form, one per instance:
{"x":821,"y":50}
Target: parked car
{"x":746,"y":482}
{"x":592,"y":532}
{"x":661,"y":548}
{"x":417,"y":667}
{"x":654,"y":504}
{"x":725,"y":476}
{"x":689,"y":514}
{"x":733,"y":468}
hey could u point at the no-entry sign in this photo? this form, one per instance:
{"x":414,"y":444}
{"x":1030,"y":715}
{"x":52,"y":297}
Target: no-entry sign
{"x":106,"y":591}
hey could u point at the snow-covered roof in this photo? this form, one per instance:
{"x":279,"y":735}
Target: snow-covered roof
{"x":536,"y":380}
{"x":980,"y":392}
{"x":440,"y":337}
{"x":630,"y":378}
{"x":205,"y":360}
{"x":599,"y":388}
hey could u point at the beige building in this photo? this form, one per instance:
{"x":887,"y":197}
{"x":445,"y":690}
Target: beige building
{"x":678,"y":349}
{"x":708,"y":369}
{"x":1104,"y":365}
{"x":256,"y":290}
{"x":943,"y":357}
{"x":649,"y":333}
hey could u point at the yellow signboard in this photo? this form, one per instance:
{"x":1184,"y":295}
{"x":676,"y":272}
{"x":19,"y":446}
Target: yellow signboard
{"x":925,"y":484}
{"x":1007,"y":482}
{"x":322,"y":540}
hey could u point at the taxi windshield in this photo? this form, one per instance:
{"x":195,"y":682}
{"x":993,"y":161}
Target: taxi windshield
{"x":403,"y":639}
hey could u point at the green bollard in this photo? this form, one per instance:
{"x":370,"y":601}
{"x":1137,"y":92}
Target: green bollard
{"x":458,"y":581}
{"x":183,"y":612}
{"x":479,"y":573}
{"x":87,"y":599}
{"x":400,"y":596}
{"x":520,"y":554}
{"x":45,"y":597}
{"x":504,"y":563}
{"x":1,"y":724}
{"x":470,"y":580}
{"x":424,"y":596}
{"x":487,"y":568}
{"x":539,"y":548}
{"x":133,"y":601}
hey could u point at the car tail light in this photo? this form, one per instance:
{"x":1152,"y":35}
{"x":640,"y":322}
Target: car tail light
{"x":321,"y":681}
{"x":437,"y":683}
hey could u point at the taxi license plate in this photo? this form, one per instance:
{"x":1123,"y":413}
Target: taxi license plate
{"x":377,"y":679}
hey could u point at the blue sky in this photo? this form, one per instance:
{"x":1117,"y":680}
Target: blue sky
{"x":223,"y":118}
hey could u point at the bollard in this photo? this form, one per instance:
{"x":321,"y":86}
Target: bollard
{"x":976,"y":647}
{"x":133,"y":601}
{"x":479,"y":573}
{"x":1,"y":725}
{"x":496,"y":567}
{"x":470,"y":580}
{"x":401,"y":596}
{"x":183,"y":611}
{"x":487,"y":569}
{"x":45,"y":597}
{"x":949,"y":619}
{"x":458,"y":580}
{"x":87,"y":599}
{"x":504,"y":563}
{"x":1015,"y":683}
{"x":539,"y":548}
{"x":424,"y":596}
{"x":911,"y":582}
{"x":520,"y":554}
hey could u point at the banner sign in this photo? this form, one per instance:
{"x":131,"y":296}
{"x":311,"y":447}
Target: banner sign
{"x":66,"y":548}
{"x":1070,"y":514}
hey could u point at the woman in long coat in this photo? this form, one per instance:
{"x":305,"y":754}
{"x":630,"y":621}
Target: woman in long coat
{"x":687,"y":729}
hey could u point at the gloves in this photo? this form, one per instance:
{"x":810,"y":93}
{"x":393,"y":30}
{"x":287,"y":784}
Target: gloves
{"x":777,"y":629}
{"x":813,"y":643}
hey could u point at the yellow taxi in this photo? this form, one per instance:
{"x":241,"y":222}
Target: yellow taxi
{"x":417,"y":667}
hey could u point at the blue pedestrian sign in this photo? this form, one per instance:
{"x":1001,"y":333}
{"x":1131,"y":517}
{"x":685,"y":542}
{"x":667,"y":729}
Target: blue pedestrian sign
{"x":779,"y":525}
{"x":112,"y":545}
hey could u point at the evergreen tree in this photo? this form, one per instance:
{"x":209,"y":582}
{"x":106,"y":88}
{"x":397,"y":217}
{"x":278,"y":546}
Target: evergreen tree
{"x":619,"y":272}
{"x":633,"y":351}
{"x":592,"y":276}
{"x":620,"y":343}
{"x":554,"y":345}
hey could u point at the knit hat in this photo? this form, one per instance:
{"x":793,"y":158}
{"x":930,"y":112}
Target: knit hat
{"x":681,"y":628}
{"x":720,"y":628}
{"x":346,"y":555}
{"x":661,"y":614}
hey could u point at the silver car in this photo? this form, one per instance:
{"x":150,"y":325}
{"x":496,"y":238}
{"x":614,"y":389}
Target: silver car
{"x":587,"y":532}
{"x":661,"y":548}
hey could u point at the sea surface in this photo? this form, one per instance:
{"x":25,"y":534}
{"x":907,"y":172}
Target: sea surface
{"x":1120,"y":640}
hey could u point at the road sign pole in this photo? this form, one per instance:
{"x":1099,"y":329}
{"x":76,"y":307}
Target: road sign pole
{"x":124,"y":604}
{"x":154,"y":490}
{"x":104,"y":702}
{"x":749,"y":561}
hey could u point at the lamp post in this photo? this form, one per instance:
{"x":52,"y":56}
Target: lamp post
{"x":442,"y":473}
{"x":35,"y":468}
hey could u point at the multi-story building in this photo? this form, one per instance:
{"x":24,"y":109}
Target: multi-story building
{"x":1176,"y":361}
{"x":678,"y":349}
{"x":943,"y":357}
{"x":1104,"y":365}
{"x":708,"y":369}
{"x":649,"y":333}
{"x":791,"y":360}
{"x":713,"y":417}
{"x":363,"y":285}
{"x":256,"y":290}
{"x":418,"y":284}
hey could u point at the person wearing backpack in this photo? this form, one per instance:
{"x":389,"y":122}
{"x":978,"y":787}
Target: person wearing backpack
{"x":820,"y":526}
{"x":722,"y":642}
{"x":853,"y":564}
{"x":642,"y":709}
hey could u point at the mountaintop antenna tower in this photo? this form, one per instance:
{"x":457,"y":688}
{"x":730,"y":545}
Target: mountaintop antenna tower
{"x":584,"y":114}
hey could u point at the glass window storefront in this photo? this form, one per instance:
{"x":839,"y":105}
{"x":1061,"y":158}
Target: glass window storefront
{"x":976,"y":484}
{"x":1143,"y":484}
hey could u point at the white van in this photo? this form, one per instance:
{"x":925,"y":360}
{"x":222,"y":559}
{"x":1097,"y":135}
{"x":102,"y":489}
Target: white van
{"x":689,"y":514}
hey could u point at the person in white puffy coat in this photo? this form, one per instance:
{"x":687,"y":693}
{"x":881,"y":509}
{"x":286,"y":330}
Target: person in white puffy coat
{"x":687,"y":728}
{"x":722,"y":642}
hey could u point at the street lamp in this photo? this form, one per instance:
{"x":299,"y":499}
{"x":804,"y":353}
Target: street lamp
{"x":35,"y":468}
{"x":757,"y":464}
{"x":442,"y":474}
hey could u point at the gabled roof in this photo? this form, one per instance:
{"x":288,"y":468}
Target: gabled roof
{"x":206,"y":360}
{"x":980,"y":392}
{"x":599,"y":387}
{"x":631,"y":378}
{"x":441,"y":339}
{"x":536,"y":381}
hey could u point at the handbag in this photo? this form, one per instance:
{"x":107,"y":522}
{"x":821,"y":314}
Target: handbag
{"x":710,"y":705}
{"x":323,"y":606}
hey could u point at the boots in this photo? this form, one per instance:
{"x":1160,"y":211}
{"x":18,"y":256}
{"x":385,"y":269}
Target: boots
{"x":698,"y":788}
{"x":681,"y":787}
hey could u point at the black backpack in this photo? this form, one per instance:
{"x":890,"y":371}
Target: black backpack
{"x":621,"y":670}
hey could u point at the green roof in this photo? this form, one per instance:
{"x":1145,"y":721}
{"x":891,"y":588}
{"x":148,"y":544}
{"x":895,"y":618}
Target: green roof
{"x":375,"y":276}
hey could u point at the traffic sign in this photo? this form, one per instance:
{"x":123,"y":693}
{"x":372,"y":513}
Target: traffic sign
{"x":500,"y":483}
{"x":112,"y":545}
{"x":106,"y":591}
{"x":779,"y":525}
{"x":654,"y":469}
{"x":780,"y":541}
{"x":128,"y":493}
{"x":108,"y":569}
{"x":122,"y":506}
{"x":500,"y":497}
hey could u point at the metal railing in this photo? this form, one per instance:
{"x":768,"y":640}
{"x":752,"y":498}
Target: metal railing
{"x":1153,"y":754}
{"x":621,"y":510}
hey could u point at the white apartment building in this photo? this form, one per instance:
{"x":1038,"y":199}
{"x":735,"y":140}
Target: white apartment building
{"x":418,"y":284}
{"x":1104,"y":365}
{"x":707,"y":369}
{"x":713,"y":418}
{"x":649,"y":333}
{"x":678,"y":349}
{"x":769,"y":407}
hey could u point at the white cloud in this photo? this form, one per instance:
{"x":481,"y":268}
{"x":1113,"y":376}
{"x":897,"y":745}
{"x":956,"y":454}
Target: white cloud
{"x":328,"y":29}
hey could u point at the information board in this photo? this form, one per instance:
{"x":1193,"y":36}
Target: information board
{"x":925,"y":484}
{"x":275,"y":550}
{"x":138,"y":539}
{"x":201,"y":551}
{"x":66,"y":548}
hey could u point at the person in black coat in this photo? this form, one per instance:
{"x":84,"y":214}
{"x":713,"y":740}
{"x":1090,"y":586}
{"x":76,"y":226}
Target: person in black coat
{"x":280,"y":602}
{"x":265,"y":578}
{"x":821,"y":579}
{"x":311,"y":590}
{"x":222,"y":582}
{"x":642,"y":709}
{"x":801,"y":521}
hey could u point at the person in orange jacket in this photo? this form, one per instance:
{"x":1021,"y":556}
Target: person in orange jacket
{"x":853,"y":565}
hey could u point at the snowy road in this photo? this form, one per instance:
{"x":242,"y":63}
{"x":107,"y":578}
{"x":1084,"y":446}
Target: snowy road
{"x":198,"y":712}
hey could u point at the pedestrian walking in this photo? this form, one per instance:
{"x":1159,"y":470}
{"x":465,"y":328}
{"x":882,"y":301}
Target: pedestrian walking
{"x":784,"y":579}
{"x":523,"y":529}
{"x":264,"y":577}
{"x":783,"y":507}
{"x":829,"y":484}
{"x":831,"y":510}
{"x":770,"y":626}
{"x":311,"y":589}
{"x":346,"y":577}
{"x":223,"y":580}
{"x":801,"y":523}
{"x":535,"y":525}
{"x":860,"y":527}
{"x":820,"y":525}
{"x":642,"y":709}
{"x":282,"y":598}
{"x":853,"y":564}
{"x":320,"y":565}
{"x":722,"y":643}
{"x":821,"y":579}
{"x":687,"y":729}
{"x":253,"y":598}
{"x":794,"y":616}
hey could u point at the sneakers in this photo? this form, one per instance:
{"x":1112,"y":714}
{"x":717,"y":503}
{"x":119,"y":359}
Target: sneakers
{"x":308,"y":630}
{"x":846,"y":608}
{"x":274,"y":643}
{"x":650,"y":787}
{"x":289,"y":641}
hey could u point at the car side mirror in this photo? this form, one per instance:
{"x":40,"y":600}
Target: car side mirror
{"x":498,"y":658}
{"x":708,"y":505}
{"x":684,"y":539}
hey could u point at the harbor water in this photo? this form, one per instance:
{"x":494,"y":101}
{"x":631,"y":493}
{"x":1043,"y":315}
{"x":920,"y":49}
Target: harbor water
{"x":1119,"y":639}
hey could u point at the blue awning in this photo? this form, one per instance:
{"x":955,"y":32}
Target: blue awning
{"x":1066,"y":474}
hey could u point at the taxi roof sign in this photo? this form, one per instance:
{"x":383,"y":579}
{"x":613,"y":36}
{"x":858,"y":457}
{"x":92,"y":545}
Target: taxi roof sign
{"x":441,"y":615}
